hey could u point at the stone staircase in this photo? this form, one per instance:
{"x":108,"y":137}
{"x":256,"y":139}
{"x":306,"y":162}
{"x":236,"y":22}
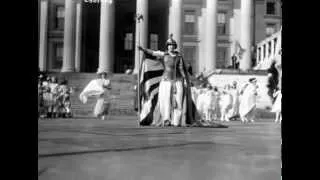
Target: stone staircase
{"x":121,"y":96}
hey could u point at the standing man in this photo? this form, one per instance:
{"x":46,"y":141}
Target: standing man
{"x":234,"y":61}
{"x":189,"y":69}
{"x":174,"y":88}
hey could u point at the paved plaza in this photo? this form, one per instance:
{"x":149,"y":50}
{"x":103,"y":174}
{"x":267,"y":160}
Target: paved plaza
{"x":118,"y":149}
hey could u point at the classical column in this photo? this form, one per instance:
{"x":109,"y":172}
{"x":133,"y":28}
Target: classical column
{"x":246,"y":33}
{"x":267,"y":50}
{"x":141,"y":31}
{"x":211,"y":35}
{"x":69,"y":37}
{"x":106,"y":50}
{"x":43,"y":35}
{"x":78,"y":36}
{"x":272,"y":46}
{"x":258,"y":51}
{"x":175,"y":21}
{"x":202,"y":37}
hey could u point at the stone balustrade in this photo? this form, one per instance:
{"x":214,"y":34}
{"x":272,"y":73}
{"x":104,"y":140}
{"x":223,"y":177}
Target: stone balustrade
{"x":267,"y":50}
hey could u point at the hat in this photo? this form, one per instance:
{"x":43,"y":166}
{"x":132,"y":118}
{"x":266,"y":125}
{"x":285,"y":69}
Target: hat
{"x":171,"y":41}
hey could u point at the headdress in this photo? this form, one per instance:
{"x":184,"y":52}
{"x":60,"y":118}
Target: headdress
{"x":171,"y":41}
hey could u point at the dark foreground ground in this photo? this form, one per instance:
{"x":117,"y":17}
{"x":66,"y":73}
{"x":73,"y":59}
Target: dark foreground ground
{"x":117,"y":149}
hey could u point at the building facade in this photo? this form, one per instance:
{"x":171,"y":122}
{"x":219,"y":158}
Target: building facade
{"x":87,"y":35}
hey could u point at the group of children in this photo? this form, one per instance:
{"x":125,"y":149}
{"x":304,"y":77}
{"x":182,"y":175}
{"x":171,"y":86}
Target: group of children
{"x":231,"y":102}
{"x":215,"y":104}
{"x":53,"y":98}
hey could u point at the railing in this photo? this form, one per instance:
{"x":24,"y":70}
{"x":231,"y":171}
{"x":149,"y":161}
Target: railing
{"x":267,"y":50}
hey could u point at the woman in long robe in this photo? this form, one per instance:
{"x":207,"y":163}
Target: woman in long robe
{"x":226,"y":103}
{"x":97,"y":88}
{"x":248,"y":100}
{"x":276,"y":108}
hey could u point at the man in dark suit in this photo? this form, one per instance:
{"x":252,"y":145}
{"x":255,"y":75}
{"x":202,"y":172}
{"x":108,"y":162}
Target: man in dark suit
{"x":235,"y":63}
{"x":189,"y":69}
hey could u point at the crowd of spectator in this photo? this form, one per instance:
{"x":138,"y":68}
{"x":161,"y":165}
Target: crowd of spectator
{"x":53,"y":97}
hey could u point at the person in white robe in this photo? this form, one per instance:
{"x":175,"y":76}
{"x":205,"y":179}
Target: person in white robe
{"x":226,"y":103}
{"x":98,"y":88}
{"x":235,"y":95}
{"x":209,"y":100}
{"x":201,"y":100}
{"x":247,"y":108}
{"x":276,"y":108}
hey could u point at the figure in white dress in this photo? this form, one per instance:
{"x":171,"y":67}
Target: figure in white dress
{"x":98,"y":88}
{"x":226,"y":102}
{"x":248,"y":101}
{"x":276,"y":108}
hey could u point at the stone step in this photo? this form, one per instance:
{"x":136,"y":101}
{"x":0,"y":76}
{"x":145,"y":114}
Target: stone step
{"x":122,"y":93}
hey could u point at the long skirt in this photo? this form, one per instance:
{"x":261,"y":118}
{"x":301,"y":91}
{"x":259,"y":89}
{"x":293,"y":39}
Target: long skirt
{"x":277,"y":104}
{"x":99,"y":107}
{"x":170,"y":103}
{"x":250,"y":116}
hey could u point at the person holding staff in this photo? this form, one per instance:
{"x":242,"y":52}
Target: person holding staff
{"x":174,"y":88}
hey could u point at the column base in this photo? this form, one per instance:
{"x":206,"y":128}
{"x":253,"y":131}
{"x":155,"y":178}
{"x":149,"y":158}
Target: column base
{"x":67,"y":69}
{"x":104,"y":70}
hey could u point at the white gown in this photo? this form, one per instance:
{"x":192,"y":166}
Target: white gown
{"x":95,"y":88}
{"x":277,"y":104}
{"x":248,"y":100}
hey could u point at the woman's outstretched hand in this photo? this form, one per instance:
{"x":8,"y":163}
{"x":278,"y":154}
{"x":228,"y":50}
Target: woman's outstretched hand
{"x":140,"y":48}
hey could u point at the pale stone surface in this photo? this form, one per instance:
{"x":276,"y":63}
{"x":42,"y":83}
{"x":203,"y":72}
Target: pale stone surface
{"x":78,"y":37}
{"x":246,"y":33}
{"x":43,"y":35}
{"x":211,"y":35}
{"x":175,"y":21}
{"x":119,"y":149}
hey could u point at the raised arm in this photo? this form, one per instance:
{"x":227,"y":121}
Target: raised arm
{"x":151,"y":52}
